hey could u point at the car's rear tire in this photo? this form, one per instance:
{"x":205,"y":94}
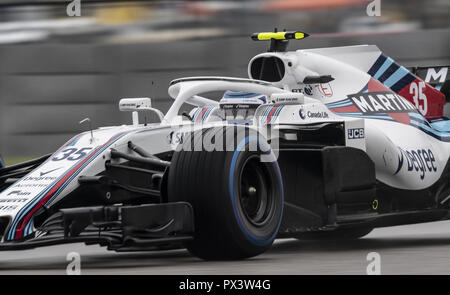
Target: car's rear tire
{"x":237,"y":198}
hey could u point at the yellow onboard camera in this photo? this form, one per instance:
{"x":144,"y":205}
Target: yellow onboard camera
{"x":278,"y":40}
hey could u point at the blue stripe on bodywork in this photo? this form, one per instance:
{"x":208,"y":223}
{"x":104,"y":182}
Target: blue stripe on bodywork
{"x":206,"y":114}
{"x":340,"y":103}
{"x":240,"y":95}
{"x":266,"y":113}
{"x":403,"y":82}
{"x":442,"y":125}
{"x":443,"y":136}
{"x":377,"y":65}
{"x":389,"y":72}
{"x":387,"y":63}
{"x":197,"y":112}
{"x":396,"y":76}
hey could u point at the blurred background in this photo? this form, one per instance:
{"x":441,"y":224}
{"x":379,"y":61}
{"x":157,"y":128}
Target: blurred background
{"x":56,"y":70}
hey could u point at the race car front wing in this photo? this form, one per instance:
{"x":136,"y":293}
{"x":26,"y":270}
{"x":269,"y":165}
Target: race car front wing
{"x":119,"y":228}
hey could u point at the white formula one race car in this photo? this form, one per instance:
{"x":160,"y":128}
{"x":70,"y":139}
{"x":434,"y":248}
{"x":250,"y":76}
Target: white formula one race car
{"x":318,"y":144}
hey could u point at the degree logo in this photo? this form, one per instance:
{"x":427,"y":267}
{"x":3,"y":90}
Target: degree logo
{"x":418,"y":160}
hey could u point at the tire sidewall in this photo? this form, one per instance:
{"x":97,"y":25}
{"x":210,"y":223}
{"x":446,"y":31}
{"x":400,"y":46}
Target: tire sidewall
{"x":248,"y":233}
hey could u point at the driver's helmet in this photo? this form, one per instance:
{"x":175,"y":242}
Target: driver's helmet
{"x":241,"y":105}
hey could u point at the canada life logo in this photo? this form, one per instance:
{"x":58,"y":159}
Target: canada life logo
{"x":313,"y":115}
{"x":301,"y":113}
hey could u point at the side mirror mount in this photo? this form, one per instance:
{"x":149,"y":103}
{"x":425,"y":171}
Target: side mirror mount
{"x":317,"y":79}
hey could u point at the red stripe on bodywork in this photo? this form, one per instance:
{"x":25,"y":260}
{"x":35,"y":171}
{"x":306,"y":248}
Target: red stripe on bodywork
{"x":199,"y":118}
{"x":348,"y":109}
{"x":400,"y":117}
{"x":376,"y":86}
{"x":269,"y":116}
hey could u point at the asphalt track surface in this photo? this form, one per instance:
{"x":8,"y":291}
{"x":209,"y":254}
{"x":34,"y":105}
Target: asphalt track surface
{"x":411,"y":249}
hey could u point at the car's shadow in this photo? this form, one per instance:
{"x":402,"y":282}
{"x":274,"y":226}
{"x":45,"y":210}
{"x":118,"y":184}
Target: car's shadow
{"x":111,"y":260}
{"x":371,"y":244}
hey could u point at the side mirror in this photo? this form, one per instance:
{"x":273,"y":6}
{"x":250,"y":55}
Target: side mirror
{"x":136,"y":105}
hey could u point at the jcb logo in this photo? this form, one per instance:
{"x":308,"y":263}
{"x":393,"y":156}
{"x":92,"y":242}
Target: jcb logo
{"x":355,"y":133}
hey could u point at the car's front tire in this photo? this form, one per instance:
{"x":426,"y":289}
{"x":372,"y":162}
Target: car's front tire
{"x":237,"y":198}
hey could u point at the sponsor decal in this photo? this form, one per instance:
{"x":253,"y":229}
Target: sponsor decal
{"x":130,"y":105}
{"x":323,"y":89}
{"x":22,"y":200}
{"x":238,"y":106}
{"x":317,"y":115}
{"x":347,"y":107}
{"x":176,"y":137}
{"x":301,"y":114}
{"x":355,"y":133}
{"x":312,"y":115}
{"x":381,"y":102}
{"x":34,"y":182}
{"x":436,"y":75}
{"x":417,"y":160}
{"x":50,"y":171}
{"x":419,"y":97}
{"x":18,"y":193}
{"x":8,"y":208}
{"x":386,"y":72}
{"x":326,"y":89}
{"x":308,"y":90}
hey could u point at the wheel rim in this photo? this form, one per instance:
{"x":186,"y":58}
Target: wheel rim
{"x":255,"y":194}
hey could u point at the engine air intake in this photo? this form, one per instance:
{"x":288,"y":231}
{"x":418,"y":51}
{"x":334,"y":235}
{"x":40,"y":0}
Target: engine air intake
{"x":267,"y":68}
